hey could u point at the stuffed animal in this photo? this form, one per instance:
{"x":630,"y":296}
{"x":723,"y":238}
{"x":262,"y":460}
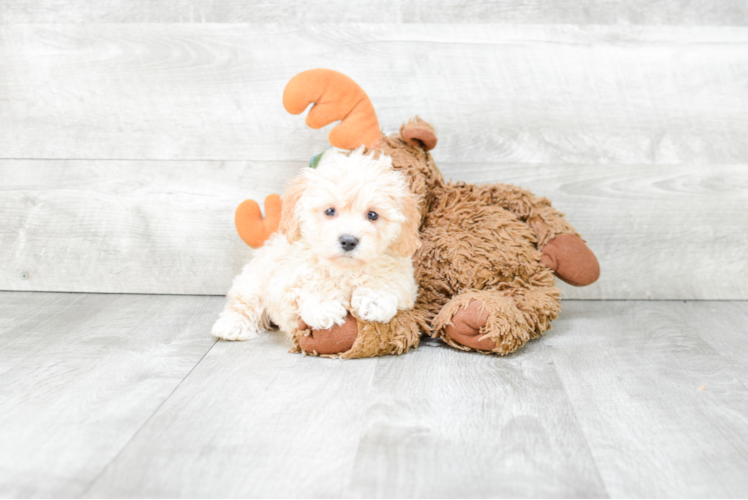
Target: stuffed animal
{"x":489,"y":253}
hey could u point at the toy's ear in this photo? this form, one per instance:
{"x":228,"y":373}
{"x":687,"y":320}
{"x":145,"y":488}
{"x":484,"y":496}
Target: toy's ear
{"x":407,"y":243}
{"x":419,"y":133}
{"x":335,"y":97}
{"x":289,"y":219}
{"x":250,"y":225}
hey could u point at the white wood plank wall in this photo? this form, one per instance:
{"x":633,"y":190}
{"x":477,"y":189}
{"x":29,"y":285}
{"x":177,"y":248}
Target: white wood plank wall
{"x":672,"y":12}
{"x":129,"y":131}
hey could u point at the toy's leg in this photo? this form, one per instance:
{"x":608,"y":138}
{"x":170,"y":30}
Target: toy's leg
{"x":483,"y":320}
{"x":545,"y":221}
{"x":335,"y":340}
{"x":571,"y":259}
{"x":362,"y":339}
{"x":564,"y":251}
{"x":500,"y":321}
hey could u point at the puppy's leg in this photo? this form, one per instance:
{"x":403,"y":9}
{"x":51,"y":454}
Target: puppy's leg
{"x":244,"y":315}
{"x":241,"y":319}
{"x":371,"y":304}
{"x":382,"y":296}
{"x":322,"y":310}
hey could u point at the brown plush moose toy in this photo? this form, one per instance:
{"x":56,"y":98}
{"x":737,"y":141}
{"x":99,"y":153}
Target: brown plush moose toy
{"x":489,"y":252}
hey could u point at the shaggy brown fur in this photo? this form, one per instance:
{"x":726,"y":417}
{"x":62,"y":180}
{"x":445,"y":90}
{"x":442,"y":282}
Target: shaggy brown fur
{"x":482,"y":285}
{"x":479,"y":244}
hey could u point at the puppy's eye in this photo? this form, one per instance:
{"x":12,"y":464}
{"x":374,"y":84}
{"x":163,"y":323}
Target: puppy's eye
{"x":372,"y":216}
{"x":330,"y":212}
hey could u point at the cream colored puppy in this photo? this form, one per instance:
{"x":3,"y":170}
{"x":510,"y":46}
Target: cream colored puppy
{"x":349,"y":229}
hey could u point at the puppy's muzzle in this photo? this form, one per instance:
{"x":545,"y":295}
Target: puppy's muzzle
{"x":348,"y":242}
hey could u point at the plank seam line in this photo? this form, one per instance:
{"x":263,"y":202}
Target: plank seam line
{"x":579,"y":424}
{"x":349,"y":486}
{"x":223,"y":295}
{"x":150,"y":417}
{"x":444,"y":162}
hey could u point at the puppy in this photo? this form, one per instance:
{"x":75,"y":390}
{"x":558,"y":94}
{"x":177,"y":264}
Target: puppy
{"x":348,"y":230}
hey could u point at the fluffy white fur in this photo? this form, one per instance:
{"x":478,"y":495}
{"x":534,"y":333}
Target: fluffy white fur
{"x":304,"y":272}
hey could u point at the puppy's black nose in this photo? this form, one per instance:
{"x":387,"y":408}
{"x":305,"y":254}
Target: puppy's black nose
{"x":348,"y":242}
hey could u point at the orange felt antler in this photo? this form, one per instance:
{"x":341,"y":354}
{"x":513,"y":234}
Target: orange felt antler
{"x":336,"y":97}
{"x":250,"y":225}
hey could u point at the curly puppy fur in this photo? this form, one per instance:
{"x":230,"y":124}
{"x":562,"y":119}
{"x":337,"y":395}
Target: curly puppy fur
{"x":479,"y":243}
{"x":348,"y":231}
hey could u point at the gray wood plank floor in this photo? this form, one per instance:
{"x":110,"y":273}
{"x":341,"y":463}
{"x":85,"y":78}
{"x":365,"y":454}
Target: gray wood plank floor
{"x":127,"y":395}
{"x":80,"y":374}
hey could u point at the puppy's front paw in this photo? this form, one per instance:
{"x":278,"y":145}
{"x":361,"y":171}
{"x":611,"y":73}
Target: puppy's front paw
{"x":234,"y":326}
{"x":374,"y":305}
{"x":323,"y":314}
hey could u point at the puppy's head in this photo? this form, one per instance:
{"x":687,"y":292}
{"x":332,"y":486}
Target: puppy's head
{"x":351,"y":208}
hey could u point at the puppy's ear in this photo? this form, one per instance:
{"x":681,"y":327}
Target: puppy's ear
{"x":407,"y":243}
{"x":289,"y":220}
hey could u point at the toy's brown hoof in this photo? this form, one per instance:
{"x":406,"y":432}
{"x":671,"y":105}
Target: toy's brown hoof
{"x":466,"y":325}
{"x":335,"y":340}
{"x":571,"y":259}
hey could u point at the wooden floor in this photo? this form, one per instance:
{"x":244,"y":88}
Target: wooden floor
{"x":108,"y":395}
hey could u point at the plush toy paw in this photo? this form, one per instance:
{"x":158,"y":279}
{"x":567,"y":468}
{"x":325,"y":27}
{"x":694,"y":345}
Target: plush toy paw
{"x":466,"y":325}
{"x":374,"y":305}
{"x":484,"y":321}
{"x":571,"y":259}
{"x":322,"y":314}
{"x":335,"y":340}
{"x":234,"y":326}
